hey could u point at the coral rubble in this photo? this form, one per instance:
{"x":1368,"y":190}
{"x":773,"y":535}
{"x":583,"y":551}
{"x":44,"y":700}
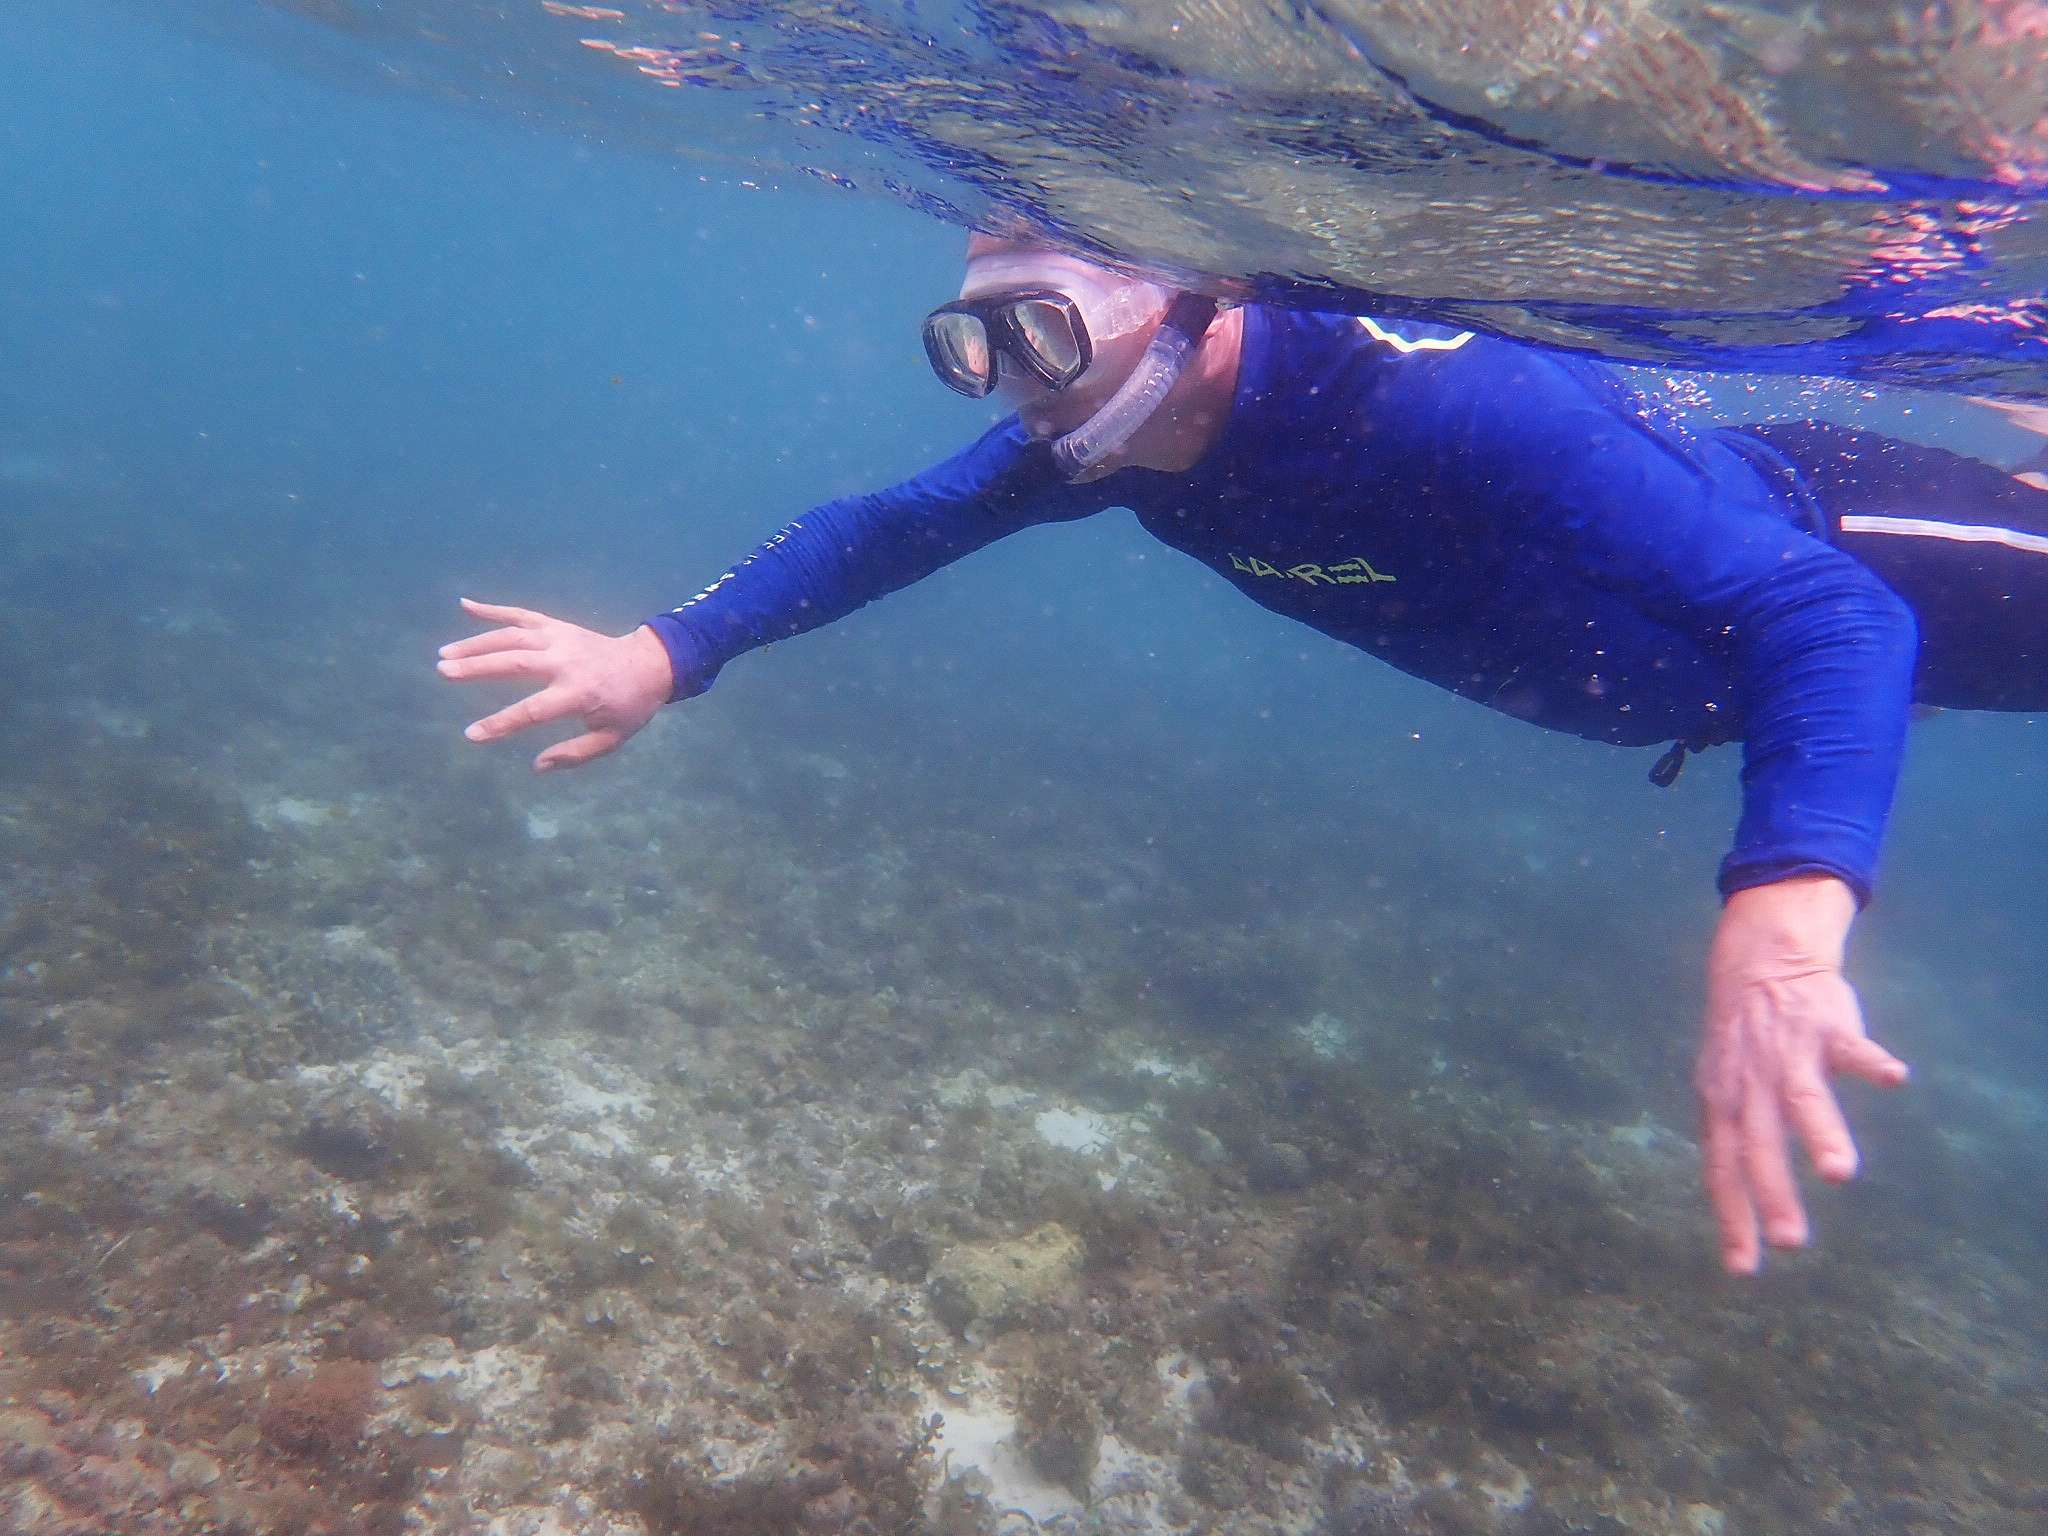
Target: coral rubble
{"x":383,"y":1152}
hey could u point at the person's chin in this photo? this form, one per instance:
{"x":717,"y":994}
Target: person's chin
{"x":1039,"y":421}
{"x":1051,"y":418}
{"x":1029,"y":402}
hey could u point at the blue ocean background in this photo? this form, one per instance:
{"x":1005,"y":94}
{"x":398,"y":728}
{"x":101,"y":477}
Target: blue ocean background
{"x":288,"y":365}
{"x":331,"y":359}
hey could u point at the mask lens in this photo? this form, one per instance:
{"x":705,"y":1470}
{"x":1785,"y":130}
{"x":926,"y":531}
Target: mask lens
{"x":957,"y":345}
{"x":1048,"y":330}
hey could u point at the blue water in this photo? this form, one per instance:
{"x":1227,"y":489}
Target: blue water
{"x":287,"y":365}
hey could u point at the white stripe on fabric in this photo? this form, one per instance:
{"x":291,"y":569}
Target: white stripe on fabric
{"x":1961,"y":533}
{"x":1404,"y":345}
{"x":781,"y":537}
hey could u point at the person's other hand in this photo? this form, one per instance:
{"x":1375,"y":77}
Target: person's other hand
{"x":2028,"y":416}
{"x":1781,"y":1020}
{"x":613,"y":684}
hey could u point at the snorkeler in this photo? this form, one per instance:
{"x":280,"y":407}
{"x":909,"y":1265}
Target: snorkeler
{"x":1511,"y":525}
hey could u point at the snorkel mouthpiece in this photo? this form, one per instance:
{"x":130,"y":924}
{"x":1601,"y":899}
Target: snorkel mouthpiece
{"x":1187,"y":321}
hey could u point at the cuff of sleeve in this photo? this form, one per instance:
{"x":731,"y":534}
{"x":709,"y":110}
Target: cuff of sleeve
{"x":692,"y":662}
{"x":1742,"y":873}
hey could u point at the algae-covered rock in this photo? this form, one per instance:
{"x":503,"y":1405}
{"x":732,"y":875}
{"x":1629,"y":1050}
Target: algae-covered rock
{"x":1059,"y":1428}
{"x":994,"y":1283}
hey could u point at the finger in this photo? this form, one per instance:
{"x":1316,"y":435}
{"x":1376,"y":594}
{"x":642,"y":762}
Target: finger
{"x":1861,"y":1056}
{"x":534,"y":709}
{"x":491,"y":640}
{"x":1734,"y":1215}
{"x":578,"y":750}
{"x":497,"y":613}
{"x":1812,"y":1108}
{"x":1767,"y":1166}
{"x":509,"y":664}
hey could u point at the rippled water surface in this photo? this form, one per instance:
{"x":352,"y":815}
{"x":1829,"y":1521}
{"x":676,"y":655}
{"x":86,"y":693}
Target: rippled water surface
{"x":1842,"y":187}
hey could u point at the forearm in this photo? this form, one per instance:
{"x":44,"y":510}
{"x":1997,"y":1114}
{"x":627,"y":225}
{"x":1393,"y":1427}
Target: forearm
{"x":1827,"y":690}
{"x":846,"y":553}
{"x":831,"y":561}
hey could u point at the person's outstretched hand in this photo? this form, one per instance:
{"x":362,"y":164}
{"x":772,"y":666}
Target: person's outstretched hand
{"x":1781,"y":1020}
{"x":613,"y":684}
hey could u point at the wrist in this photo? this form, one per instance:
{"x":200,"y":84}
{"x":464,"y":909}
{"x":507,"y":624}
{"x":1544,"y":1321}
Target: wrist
{"x":648,"y":662}
{"x":1805,"y":916}
{"x":690,"y":664}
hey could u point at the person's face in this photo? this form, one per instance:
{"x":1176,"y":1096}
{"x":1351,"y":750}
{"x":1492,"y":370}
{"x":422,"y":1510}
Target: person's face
{"x":1001,"y":266}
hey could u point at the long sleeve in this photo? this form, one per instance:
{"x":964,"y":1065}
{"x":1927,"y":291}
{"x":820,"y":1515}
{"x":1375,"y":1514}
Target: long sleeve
{"x":1821,"y":650}
{"x":846,"y":553}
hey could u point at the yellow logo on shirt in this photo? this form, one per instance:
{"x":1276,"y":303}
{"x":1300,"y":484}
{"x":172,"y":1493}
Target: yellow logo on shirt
{"x":1355,"y":572}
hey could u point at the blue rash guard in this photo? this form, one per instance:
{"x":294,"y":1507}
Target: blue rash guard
{"x":1505,"y":523}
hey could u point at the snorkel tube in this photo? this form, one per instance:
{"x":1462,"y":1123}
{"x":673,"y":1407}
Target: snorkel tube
{"x":1180,"y":332}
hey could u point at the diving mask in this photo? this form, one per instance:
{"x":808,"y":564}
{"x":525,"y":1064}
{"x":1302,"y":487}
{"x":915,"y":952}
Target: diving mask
{"x":1043,"y":314}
